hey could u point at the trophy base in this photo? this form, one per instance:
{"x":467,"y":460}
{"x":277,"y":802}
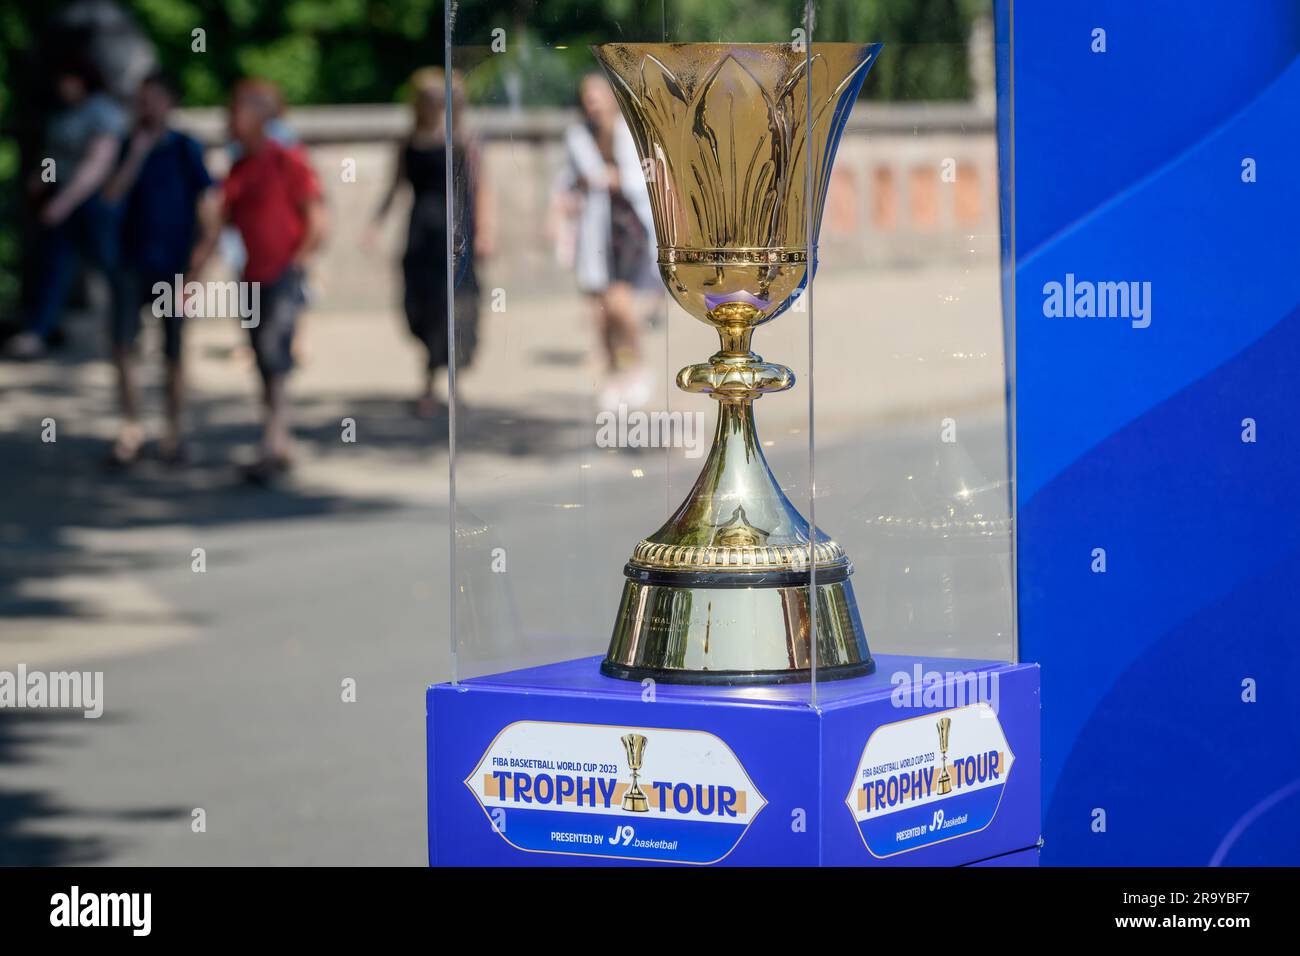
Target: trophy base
{"x":732,"y":635}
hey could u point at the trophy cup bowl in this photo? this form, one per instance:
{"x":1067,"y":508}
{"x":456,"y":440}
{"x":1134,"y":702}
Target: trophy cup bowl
{"x":737,"y":143}
{"x":634,"y":800}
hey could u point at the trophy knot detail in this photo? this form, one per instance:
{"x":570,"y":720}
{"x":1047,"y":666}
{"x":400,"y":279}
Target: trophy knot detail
{"x":735,"y":380}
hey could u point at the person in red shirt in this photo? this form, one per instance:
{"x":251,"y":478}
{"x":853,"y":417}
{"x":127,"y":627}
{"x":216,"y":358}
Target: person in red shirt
{"x":273,"y":198}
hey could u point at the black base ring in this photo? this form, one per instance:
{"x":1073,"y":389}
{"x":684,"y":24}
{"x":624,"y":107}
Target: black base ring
{"x":735,"y":579}
{"x":664,"y":675}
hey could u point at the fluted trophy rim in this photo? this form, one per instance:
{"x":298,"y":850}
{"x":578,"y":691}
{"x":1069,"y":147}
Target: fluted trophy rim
{"x":773,"y":71}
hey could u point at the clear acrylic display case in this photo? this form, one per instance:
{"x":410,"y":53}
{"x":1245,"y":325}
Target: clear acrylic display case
{"x":571,"y":442}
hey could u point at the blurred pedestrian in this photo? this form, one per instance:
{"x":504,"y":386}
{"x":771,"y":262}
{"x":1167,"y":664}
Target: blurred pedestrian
{"x":421,"y":163}
{"x":167,"y":202}
{"x":603,"y":189}
{"x":81,"y":146}
{"x":273,"y":198}
{"x":229,"y":247}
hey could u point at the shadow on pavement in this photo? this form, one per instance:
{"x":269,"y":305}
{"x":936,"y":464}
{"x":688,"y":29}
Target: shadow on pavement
{"x":25,"y":813}
{"x":48,"y":488}
{"x":53,"y":494}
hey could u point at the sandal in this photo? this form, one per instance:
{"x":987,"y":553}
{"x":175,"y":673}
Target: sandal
{"x":178,"y":455}
{"x":124,"y":454}
{"x":264,"y":472}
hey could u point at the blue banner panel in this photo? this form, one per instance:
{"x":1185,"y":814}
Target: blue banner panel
{"x":1157,"y":335}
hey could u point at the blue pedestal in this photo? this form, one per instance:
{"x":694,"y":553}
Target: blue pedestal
{"x":529,"y":768}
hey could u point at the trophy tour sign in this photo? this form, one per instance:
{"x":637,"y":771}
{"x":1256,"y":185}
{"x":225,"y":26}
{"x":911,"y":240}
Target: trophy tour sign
{"x":674,"y":796}
{"x":929,"y":779}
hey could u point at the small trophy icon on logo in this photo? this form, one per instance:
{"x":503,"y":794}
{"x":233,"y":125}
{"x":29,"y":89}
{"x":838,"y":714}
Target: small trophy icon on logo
{"x":944,"y":784}
{"x":634,"y":801}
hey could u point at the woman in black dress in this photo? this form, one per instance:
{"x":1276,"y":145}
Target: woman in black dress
{"x":421,"y":162}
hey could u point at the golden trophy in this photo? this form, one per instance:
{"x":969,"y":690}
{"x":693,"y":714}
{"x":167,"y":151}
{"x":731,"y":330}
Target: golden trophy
{"x":634,"y":801}
{"x":737,"y":142}
{"x":944,"y":784}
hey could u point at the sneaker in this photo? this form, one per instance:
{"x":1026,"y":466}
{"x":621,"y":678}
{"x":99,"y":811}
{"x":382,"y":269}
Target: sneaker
{"x":610,"y":395}
{"x":638,"y":387}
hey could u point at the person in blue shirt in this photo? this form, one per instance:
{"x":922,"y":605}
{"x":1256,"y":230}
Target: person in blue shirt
{"x":167,"y":201}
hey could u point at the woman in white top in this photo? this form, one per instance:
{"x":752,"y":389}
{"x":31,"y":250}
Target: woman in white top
{"x":602,"y":187}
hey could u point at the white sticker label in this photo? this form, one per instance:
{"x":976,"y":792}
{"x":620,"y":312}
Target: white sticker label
{"x":632,"y":792}
{"x":929,"y":779}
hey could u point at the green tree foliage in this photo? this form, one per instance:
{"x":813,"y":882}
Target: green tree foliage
{"x":546,"y":40}
{"x":15,"y":35}
{"x":363,"y":51}
{"x":318,"y":51}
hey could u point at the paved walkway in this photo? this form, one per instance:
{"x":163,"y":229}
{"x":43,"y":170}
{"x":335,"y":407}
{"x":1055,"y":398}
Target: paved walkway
{"x":223,"y":689}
